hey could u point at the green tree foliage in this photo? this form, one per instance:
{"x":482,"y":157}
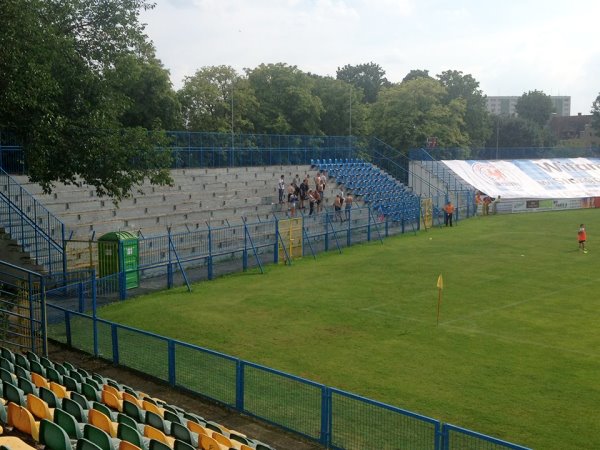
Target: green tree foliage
{"x":596,"y":115}
{"x":150,"y":99}
{"x":407,"y":114}
{"x":477,"y":125}
{"x":515,"y":132}
{"x":57,"y":64}
{"x":416,"y":73}
{"x":286,"y":103}
{"x":369,"y":77}
{"x":536,"y":107}
{"x":207,"y":99}
{"x":344,"y":111}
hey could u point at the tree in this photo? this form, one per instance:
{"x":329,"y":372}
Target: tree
{"x":408,"y":113}
{"x":515,"y":132}
{"x":286,"y":103}
{"x":416,"y":73}
{"x":344,"y":111}
{"x":477,"y":125}
{"x":369,"y":77}
{"x":536,"y":107}
{"x":596,"y":115}
{"x":208,"y":96}
{"x":56,"y":59}
{"x":151,"y":101}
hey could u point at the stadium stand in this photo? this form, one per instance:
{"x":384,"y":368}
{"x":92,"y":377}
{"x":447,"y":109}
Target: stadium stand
{"x":109,"y":420}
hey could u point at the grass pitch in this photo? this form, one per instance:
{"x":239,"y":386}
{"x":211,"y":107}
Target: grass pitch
{"x":515,"y":355}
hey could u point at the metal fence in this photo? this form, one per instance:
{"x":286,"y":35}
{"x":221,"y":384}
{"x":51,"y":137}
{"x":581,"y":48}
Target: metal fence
{"x":334,"y":418}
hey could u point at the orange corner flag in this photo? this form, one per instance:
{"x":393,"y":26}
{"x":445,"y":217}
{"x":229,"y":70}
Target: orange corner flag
{"x":440,"y":282}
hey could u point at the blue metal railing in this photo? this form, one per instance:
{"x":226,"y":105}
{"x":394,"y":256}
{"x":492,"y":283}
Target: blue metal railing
{"x":27,"y":221}
{"x":334,"y":418}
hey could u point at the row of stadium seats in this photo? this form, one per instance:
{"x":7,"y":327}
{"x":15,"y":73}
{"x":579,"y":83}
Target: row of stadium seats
{"x":380,"y":190}
{"x":64,"y":407}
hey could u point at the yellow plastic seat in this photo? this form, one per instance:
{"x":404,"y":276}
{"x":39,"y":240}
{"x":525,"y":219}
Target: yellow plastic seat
{"x":102,"y":421}
{"x":197,"y":428}
{"x":131,"y":398}
{"x":113,"y":390}
{"x":39,"y":408}
{"x":112,"y":401}
{"x":39,"y":381}
{"x":124,"y":445}
{"x":149,"y":406}
{"x":154,"y":433}
{"x":21,"y":419}
{"x":59,"y":390}
{"x":209,"y":443}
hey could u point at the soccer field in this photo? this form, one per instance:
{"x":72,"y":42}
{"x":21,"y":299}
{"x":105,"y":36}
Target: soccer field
{"x":515,"y":354}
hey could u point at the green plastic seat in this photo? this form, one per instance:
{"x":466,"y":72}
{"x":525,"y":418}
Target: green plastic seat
{"x":49,"y":397}
{"x":180,"y":445}
{"x":86,"y":444}
{"x":53,"y":375}
{"x":12,"y":393}
{"x":7,"y":365}
{"x":157,"y":445}
{"x":8,"y":354}
{"x":68,"y":423}
{"x":100,"y":437}
{"x":90,"y":392}
{"x":124,"y":418}
{"x":53,"y":437}
{"x":133,"y":435}
{"x":112,"y":415}
{"x":72,"y":407}
{"x":158,"y":422}
{"x":134,"y":411}
{"x":21,"y":360}
{"x":36,"y":367}
{"x":7,"y":376}
{"x":181,"y":432}
{"x":27,"y":386}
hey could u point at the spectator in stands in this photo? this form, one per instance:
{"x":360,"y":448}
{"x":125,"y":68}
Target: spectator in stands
{"x":311,"y":201}
{"x":448,"y":213}
{"x":320,"y":188}
{"x":582,"y":237}
{"x":293,"y":202}
{"x":281,"y":189}
{"x":303,"y":192}
{"x":291,"y":190}
{"x":348,"y":201}
{"x":337,"y":206}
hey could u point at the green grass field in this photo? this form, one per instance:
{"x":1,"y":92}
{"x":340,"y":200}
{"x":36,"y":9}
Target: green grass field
{"x":515,"y":355}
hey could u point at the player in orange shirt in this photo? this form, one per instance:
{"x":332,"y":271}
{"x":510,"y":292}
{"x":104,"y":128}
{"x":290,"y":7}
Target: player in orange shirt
{"x":582,"y":237}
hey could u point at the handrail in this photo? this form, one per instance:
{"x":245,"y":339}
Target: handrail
{"x":26,"y":213}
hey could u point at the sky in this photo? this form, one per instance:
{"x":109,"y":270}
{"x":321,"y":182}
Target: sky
{"x":510,"y":47}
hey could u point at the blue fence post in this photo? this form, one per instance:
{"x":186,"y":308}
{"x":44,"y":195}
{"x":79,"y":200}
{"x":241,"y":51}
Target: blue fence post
{"x":81,"y":297}
{"x":172,"y":372}
{"x":210,"y":258}
{"x":276,"y":245}
{"x":239,"y":385}
{"x":369,"y":225}
{"x":326,"y":230}
{"x":68,"y":327}
{"x":442,"y":441}
{"x":169,"y":265}
{"x":114,"y":331}
{"x":325,"y":434}
{"x":43,"y":317}
{"x":30,"y":297}
{"x":245,"y":253}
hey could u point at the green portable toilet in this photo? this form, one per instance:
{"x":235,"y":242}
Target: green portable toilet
{"x":119,"y":251}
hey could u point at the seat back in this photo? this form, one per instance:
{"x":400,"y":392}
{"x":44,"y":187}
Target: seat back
{"x":6,"y":376}
{"x":101,"y":421}
{"x":111,"y":400}
{"x":124,"y":418}
{"x":155,"y":420}
{"x":222,"y":439}
{"x":180,"y":432}
{"x":90,"y":392}
{"x":130,"y":434}
{"x":53,"y":375}
{"x":12,"y":393}
{"x":133,"y":411}
{"x":180,"y":445}
{"x":58,"y":389}
{"x":103,"y":409}
{"x":39,"y":381}
{"x":81,"y":400}
{"x":86,"y":444}
{"x":49,"y":397}
{"x":36,"y":367}
{"x":208,"y":443}
{"x":75,"y":409}
{"x":21,"y":360}
{"x":158,"y":445}
{"x":53,"y":437}
{"x":97,"y":436}
{"x":124,"y":445}
{"x":68,"y":423}
{"x":27,"y":386}
{"x":39,"y":408}
{"x":8,"y":354}
{"x":21,"y":419}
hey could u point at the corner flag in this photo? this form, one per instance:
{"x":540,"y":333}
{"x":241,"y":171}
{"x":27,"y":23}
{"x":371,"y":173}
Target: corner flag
{"x":440,"y":286}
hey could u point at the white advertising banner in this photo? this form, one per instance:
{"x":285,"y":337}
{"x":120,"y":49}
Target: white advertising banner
{"x":540,"y":178}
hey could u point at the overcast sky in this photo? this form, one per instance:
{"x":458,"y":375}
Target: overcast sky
{"x":510,"y":46}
